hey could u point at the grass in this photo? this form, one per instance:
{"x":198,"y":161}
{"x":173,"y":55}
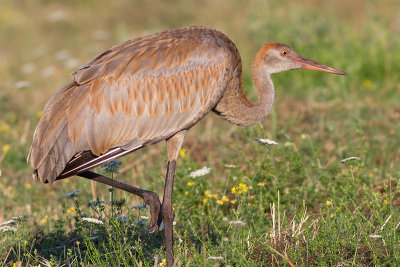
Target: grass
{"x":294,"y":203}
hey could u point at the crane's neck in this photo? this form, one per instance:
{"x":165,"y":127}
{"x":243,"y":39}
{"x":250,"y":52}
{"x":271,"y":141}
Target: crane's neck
{"x":234,"y":105}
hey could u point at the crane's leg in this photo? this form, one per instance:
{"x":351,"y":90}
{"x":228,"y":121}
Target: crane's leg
{"x":150,"y":198}
{"x":174,"y":144}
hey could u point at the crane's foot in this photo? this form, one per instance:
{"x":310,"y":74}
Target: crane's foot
{"x":153,"y":201}
{"x":150,"y":198}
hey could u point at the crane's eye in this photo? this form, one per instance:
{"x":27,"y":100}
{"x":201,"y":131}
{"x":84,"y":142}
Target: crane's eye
{"x":284,"y":52}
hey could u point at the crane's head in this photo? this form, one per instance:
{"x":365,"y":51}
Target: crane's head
{"x":276,"y":57}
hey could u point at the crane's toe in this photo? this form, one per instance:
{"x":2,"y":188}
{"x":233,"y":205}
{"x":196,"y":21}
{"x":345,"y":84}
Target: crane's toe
{"x":152,"y":200}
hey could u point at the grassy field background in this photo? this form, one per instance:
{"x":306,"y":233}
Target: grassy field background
{"x":290,"y":204}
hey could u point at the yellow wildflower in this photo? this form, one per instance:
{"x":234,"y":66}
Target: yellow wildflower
{"x":182,"y":152}
{"x":72,"y":209}
{"x":289,"y":144}
{"x":44,"y":220}
{"x":186,"y":193}
{"x":190,"y":183}
{"x":243,"y":187}
{"x":39,"y":114}
{"x":261,"y":184}
{"x":328,"y":203}
{"x":204,"y":200}
{"x":5,"y":148}
{"x":233,"y":201}
{"x":224,"y":199}
{"x":220,"y":202}
{"x":28,"y":186}
{"x":163,"y":263}
{"x":367,"y":83}
{"x":385,"y":202}
{"x":215,"y":195}
{"x":304,"y":136}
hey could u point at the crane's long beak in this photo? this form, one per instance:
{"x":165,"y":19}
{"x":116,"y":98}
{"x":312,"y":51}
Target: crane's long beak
{"x":310,"y":64}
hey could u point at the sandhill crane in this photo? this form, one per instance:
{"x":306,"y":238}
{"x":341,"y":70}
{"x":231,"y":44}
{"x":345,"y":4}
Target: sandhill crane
{"x":147,"y":90}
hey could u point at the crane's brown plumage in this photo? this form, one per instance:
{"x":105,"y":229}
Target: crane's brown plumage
{"x":147,"y":90}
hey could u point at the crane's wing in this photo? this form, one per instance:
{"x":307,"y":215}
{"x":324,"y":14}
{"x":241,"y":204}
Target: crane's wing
{"x":137,"y":93}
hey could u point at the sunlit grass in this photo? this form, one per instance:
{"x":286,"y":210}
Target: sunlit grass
{"x":326,"y":194}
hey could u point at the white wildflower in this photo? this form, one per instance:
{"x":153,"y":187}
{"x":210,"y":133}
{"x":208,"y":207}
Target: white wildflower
{"x":28,"y":68}
{"x":217,"y":258}
{"x":57,"y":15}
{"x":21,"y":84}
{"x":201,"y":172}
{"x":72,"y":194}
{"x":349,"y":159}
{"x":9,"y":222}
{"x":47,"y":72}
{"x":266,"y":141}
{"x":7,"y":228}
{"x":92,"y":220}
{"x":237,"y":223}
{"x":229,"y":166}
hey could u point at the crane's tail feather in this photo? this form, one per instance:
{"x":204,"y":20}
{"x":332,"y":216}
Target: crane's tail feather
{"x":51,"y":146}
{"x":55,"y":160}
